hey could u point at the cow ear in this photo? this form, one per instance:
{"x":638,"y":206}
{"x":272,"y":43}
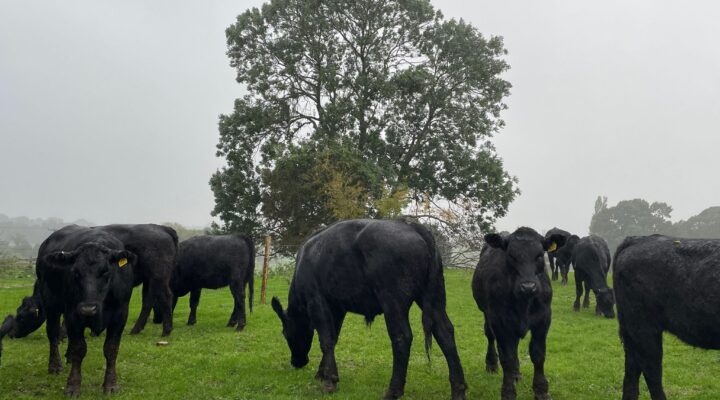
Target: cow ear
{"x":278,"y":309}
{"x":122,"y":258}
{"x":496,"y":241}
{"x":61,"y":259}
{"x":554,"y":242}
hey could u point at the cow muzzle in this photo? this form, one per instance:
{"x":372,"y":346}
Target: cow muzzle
{"x":88,"y":309}
{"x":528,"y":288}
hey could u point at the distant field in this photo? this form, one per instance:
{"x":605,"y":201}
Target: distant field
{"x":584,"y":358}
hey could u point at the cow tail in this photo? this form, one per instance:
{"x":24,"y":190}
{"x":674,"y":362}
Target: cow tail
{"x":250,"y":277}
{"x":434,"y":295}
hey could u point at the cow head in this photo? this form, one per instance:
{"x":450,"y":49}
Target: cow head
{"x":524,"y":256}
{"x":605,"y":301}
{"x":89,"y":270}
{"x":28,"y":318}
{"x":298,"y":334}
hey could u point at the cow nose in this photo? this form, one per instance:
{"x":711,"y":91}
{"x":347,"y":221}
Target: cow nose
{"x":88,"y":310}
{"x":528,"y":287}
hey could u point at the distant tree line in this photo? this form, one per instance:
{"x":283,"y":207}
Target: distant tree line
{"x":639,"y":217}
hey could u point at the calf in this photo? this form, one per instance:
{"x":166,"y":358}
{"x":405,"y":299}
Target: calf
{"x":213,"y":262}
{"x":563,"y":257}
{"x":368,"y":267}
{"x":591,"y":260}
{"x":87,"y":276}
{"x":512,"y":289}
{"x":664,"y":284}
{"x":552,"y":252}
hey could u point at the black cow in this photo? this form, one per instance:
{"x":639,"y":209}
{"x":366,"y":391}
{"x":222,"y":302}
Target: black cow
{"x":563,"y":257}
{"x":552,"y":252}
{"x":368,"y":267}
{"x":156,"y":248}
{"x":512,"y":289}
{"x":213,"y":262}
{"x":28,"y":317}
{"x":591,"y":260}
{"x":86,"y":275}
{"x":664,"y":284}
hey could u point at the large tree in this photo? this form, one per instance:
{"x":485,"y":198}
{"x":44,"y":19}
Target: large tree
{"x":629,"y":218}
{"x":391,"y":88}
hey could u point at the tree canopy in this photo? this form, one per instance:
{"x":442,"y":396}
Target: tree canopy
{"x":361,"y":109}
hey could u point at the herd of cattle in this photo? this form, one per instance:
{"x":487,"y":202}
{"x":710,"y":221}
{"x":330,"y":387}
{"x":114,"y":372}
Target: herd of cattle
{"x":373,"y":267}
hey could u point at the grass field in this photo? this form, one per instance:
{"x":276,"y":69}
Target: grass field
{"x":584,"y":357}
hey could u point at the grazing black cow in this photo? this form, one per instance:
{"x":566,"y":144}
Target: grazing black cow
{"x":368,"y":267}
{"x":591,"y":260}
{"x":512,"y":289}
{"x":563,"y":257}
{"x":664,"y":284}
{"x":213,"y":262}
{"x":552,"y":253}
{"x":86,"y":275}
{"x":29,"y":316}
{"x":156,"y":248}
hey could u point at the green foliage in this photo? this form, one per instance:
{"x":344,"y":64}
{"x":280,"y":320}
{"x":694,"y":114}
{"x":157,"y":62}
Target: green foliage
{"x":704,"y":225}
{"x":629,"y":218}
{"x":209,"y":360}
{"x":411,"y":98}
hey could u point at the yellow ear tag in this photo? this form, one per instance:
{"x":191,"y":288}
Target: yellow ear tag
{"x":122,"y":262}
{"x":552,"y":247}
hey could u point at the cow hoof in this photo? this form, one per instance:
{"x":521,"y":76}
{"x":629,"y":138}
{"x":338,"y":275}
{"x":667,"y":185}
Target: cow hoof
{"x":165,"y":333}
{"x":135,"y":331}
{"x":240,"y":327}
{"x":392,"y":394}
{"x":576,"y":307}
{"x":110,"y":389}
{"x":329,"y":386}
{"x":72,"y":391}
{"x":493,"y":369}
{"x":191,"y":323}
{"x":544,"y":396}
{"x":55,"y":368}
{"x":229,"y":324}
{"x":586,"y":305}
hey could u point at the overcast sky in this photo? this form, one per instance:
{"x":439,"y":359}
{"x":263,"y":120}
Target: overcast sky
{"x":108,"y":110}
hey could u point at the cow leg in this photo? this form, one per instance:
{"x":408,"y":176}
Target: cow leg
{"x":398,"y":327}
{"x":77,"y":348}
{"x":553,"y":267}
{"x":508,"y":346}
{"x":650,"y":354}
{"x":110,"y":349}
{"x":578,"y":292}
{"x":327,"y":371}
{"x":162,"y":298}
{"x":52,"y":327}
{"x":444,"y":333}
{"x":194,"y":301}
{"x":237,"y":288}
{"x":491,"y":357}
{"x":157,"y":315}
{"x":631,"y":381}
{"x":144,"y":311}
{"x":537,"y":355}
{"x":586,"y":300}
{"x":564,"y":273}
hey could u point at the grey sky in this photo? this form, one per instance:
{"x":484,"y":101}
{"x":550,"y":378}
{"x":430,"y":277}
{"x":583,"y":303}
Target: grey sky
{"x":108,"y":110}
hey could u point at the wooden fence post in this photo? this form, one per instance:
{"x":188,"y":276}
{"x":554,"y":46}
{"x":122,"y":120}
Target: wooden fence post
{"x":266,"y":267}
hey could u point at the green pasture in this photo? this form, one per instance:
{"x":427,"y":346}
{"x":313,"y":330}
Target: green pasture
{"x":211,"y":361}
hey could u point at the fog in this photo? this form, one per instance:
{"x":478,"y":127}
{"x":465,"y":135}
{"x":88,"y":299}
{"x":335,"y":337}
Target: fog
{"x":108,"y":110}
